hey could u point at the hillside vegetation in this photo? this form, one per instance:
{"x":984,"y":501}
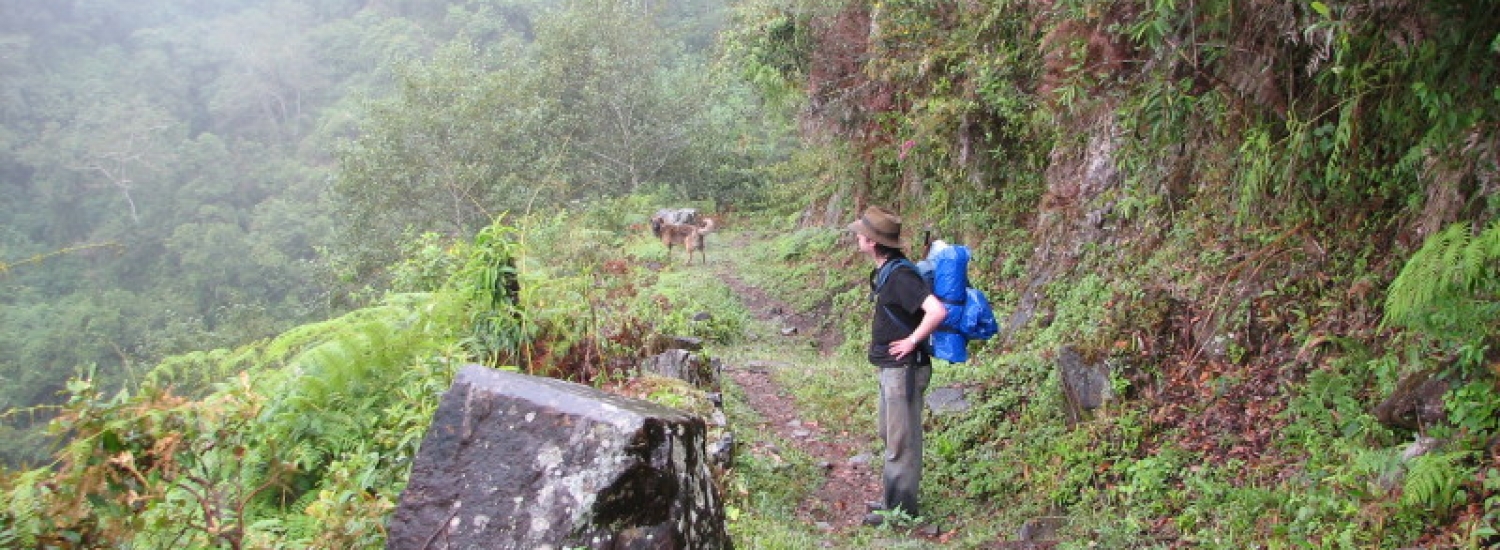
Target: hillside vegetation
{"x":1264,"y":219}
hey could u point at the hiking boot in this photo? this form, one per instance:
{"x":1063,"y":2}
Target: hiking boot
{"x":873,"y":520}
{"x":874,"y":506}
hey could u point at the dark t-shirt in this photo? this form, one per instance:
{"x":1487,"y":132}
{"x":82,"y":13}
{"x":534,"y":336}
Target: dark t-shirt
{"x":897,"y":312}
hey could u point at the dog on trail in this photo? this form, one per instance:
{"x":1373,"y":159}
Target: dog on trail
{"x":688,"y":235}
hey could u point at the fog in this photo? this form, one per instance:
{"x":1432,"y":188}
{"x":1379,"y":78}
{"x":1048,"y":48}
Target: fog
{"x":183,"y":176}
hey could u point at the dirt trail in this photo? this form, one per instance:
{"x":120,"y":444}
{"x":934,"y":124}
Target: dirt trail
{"x":849,"y":481}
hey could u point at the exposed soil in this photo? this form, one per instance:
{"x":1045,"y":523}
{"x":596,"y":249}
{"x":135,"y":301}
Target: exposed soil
{"x":838,"y":503}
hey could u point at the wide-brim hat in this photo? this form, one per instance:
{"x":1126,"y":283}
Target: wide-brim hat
{"x":879,"y":225}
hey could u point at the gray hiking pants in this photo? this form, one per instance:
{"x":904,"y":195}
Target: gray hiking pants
{"x":900,"y":426}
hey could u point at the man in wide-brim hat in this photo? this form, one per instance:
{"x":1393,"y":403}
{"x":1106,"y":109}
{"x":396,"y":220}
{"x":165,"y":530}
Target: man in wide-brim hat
{"x":905,"y":314}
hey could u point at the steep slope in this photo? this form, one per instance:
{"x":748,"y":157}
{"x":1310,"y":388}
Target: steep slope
{"x":1213,"y":200}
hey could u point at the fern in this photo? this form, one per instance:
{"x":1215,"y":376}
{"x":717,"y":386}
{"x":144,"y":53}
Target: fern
{"x":19,"y":527}
{"x":1448,"y":289}
{"x":196,"y":373}
{"x":1435,"y":482}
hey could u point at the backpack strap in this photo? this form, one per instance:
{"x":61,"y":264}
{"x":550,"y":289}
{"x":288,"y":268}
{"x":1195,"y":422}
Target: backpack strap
{"x":885,"y":273}
{"x":886,"y":269}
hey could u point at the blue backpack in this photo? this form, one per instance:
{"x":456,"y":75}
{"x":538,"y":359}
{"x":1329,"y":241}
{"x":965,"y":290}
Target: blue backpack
{"x":969,"y":314}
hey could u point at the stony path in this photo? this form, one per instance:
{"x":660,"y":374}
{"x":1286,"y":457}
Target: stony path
{"x":849,"y":482}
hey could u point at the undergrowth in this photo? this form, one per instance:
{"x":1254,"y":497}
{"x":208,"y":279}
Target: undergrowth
{"x":305,"y":440}
{"x":1120,"y":477}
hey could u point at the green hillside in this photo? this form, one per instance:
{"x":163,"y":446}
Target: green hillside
{"x":248,"y":245}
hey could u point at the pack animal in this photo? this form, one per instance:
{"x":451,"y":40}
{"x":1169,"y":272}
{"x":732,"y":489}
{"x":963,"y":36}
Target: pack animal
{"x":688,"y":235}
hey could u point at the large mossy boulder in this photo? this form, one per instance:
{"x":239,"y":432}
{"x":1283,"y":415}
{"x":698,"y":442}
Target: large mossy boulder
{"x":517,"y":461}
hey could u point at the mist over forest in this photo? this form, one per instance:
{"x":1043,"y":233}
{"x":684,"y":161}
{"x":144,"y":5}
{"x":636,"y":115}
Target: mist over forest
{"x":184,"y":176}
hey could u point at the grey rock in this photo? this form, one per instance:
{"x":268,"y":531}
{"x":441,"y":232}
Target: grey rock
{"x":756,"y":365}
{"x":1423,"y":445}
{"x":1416,"y":402}
{"x":662,"y":342}
{"x":1086,"y":386}
{"x":721,"y":452}
{"x":521,"y":462}
{"x":1041,"y":528}
{"x":947,"y":400}
{"x":684,"y":365}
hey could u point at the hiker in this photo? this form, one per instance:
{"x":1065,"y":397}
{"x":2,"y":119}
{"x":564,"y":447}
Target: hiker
{"x":905,"y":313}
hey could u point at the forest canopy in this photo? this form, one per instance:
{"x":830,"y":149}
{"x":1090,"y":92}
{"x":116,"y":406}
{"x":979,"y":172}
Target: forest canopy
{"x":196,"y":175}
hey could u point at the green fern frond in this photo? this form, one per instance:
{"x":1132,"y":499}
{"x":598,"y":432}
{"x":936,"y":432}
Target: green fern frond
{"x":22,"y":526}
{"x":1376,"y":463}
{"x":304,"y":500}
{"x":1442,"y":289}
{"x":284,"y":530}
{"x":197,"y":372}
{"x":306,"y":454}
{"x":1435,"y":481}
{"x":1492,"y":238}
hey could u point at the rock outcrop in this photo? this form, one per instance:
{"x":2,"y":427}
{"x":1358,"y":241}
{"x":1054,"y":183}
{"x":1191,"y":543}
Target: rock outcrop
{"x":1086,"y":386}
{"x":1416,"y":403}
{"x":516,"y":461}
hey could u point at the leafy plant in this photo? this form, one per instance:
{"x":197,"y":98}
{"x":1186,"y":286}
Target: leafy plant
{"x":492,"y":282}
{"x":1450,"y":289}
{"x":307,"y":444}
{"x":1474,"y":412}
{"x":1487,"y":529}
{"x":1436,"y":481}
{"x":683,"y":303}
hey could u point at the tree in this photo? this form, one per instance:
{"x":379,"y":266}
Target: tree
{"x":455,"y":148}
{"x":604,"y":102}
{"x":622,"y":110}
{"x":273,"y":80}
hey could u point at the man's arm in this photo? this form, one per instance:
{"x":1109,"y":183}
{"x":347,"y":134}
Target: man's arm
{"x":934,"y":313}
